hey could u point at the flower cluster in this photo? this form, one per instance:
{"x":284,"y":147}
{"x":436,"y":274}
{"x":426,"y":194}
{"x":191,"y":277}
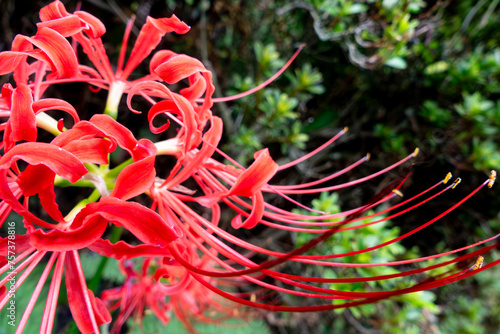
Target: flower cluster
{"x":189,"y":264}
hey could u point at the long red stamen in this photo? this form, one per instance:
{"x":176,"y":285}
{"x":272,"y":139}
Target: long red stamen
{"x":123,"y":49}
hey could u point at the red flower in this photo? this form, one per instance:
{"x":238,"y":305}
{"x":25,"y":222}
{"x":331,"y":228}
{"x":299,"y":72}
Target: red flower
{"x":87,"y":142}
{"x":188,"y":256}
{"x":163,"y":287}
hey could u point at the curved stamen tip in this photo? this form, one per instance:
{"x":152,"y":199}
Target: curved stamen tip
{"x":346,"y":129}
{"x":397,"y":192}
{"x":478,"y":264}
{"x":456,"y":183}
{"x":415,"y":153}
{"x":493,"y":177}
{"x":447,"y":178}
{"x":368,"y":156}
{"x":302,"y":45}
{"x":60,"y":126}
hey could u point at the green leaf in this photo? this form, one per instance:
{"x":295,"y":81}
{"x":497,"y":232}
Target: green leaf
{"x":357,"y":8}
{"x":396,"y":62}
{"x":437,"y":67}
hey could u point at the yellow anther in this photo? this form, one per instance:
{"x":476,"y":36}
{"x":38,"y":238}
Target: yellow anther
{"x":456,"y":182}
{"x":447,"y":178}
{"x":346,"y":129}
{"x":397,"y":192}
{"x":368,"y":156}
{"x":479,"y":263}
{"x":415,"y":153}
{"x":493,"y":176}
{"x":253,"y":297}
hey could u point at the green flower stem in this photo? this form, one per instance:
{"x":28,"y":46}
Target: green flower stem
{"x":61,"y":182}
{"x":113,"y":173}
{"x":94,"y":197}
{"x":92,"y":168}
{"x":47,"y":123}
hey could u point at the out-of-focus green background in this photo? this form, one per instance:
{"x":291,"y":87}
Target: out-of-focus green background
{"x":400,"y":74}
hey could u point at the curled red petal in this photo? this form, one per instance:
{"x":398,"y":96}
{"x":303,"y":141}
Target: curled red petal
{"x":7,"y":91}
{"x":9,"y":61}
{"x":135,"y":179}
{"x":184,"y":108}
{"x":21,"y":72}
{"x":149,"y":37}
{"x":63,"y":60}
{"x":66,"y":26}
{"x":144,"y":223}
{"x":65,"y":240}
{"x":94,"y":150}
{"x":53,"y":49}
{"x":8,"y":197}
{"x":255,"y":176}
{"x":15,"y":60}
{"x":116,"y":131}
{"x":159,"y":58}
{"x":34,"y":179}
{"x":81,"y":131}
{"x":144,"y":148}
{"x":58,"y":160}
{"x":93,"y":26}
{"x":45,"y":105}
{"x":170,"y":24}
{"x":210,"y":142}
{"x":179,"y":67}
{"x":22,"y":117}
{"x":197,"y":87}
{"x":158,"y":109}
{"x":255,"y":216}
{"x":52,"y":11}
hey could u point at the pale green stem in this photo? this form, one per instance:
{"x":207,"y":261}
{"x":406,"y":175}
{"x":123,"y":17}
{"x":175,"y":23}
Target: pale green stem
{"x":114,"y":96}
{"x":113,"y":173}
{"x":91,"y":199}
{"x":44,"y":121}
{"x":168,"y":147}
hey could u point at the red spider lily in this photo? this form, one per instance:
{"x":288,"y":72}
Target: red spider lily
{"x":207,"y":235}
{"x":65,"y":157}
{"x":87,"y":142}
{"x":164,"y":287}
{"x":187,"y":254}
{"x":58,"y":24}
